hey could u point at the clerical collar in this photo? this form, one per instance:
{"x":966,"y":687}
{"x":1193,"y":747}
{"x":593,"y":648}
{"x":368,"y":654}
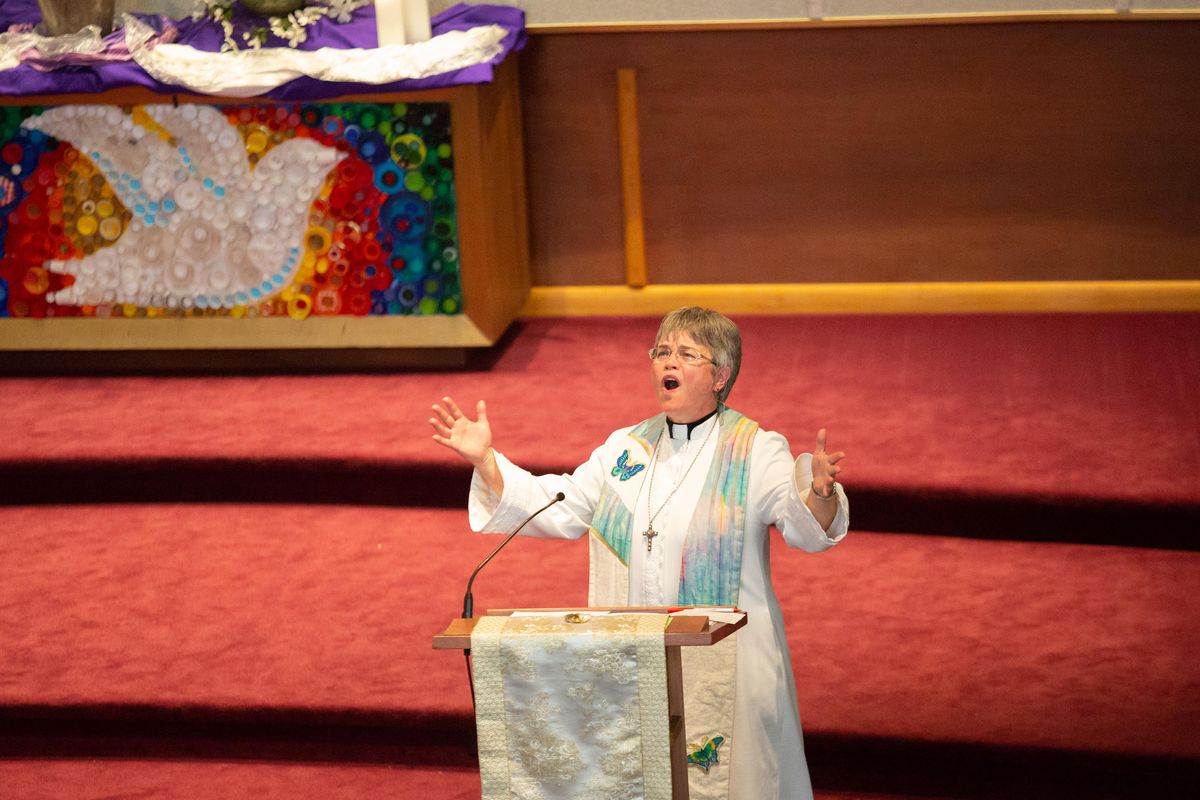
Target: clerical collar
{"x":683,"y":430}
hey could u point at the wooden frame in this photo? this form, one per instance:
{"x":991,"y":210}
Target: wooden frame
{"x":493,"y":239}
{"x":897,"y":20}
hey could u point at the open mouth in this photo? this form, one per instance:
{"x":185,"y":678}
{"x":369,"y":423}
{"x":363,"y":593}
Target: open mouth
{"x":670,"y":383}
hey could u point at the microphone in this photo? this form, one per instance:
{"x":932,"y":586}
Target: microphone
{"x":468,"y":600}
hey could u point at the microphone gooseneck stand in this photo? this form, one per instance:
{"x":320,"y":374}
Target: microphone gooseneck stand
{"x":469,"y":600}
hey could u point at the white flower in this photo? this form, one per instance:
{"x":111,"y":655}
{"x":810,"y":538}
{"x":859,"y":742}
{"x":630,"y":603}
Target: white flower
{"x":291,"y":28}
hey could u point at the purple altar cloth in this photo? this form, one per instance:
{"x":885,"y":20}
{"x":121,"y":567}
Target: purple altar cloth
{"x":206,"y":35}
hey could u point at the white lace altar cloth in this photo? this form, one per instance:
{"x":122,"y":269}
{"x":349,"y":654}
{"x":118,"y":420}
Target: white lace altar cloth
{"x":572,"y":710}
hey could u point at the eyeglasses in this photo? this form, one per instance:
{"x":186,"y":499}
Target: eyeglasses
{"x":686,"y":355}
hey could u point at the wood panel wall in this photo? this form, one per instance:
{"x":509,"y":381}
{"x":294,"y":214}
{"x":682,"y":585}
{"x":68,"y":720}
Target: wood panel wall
{"x":1020,"y":151}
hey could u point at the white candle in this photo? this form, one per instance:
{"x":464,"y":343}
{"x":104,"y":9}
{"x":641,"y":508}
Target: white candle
{"x":416,"y":21}
{"x":389,"y":21}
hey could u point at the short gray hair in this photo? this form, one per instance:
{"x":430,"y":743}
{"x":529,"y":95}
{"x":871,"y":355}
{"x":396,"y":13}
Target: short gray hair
{"x":712,"y":329}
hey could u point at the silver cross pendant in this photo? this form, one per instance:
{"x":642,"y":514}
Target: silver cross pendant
{"x":650,"y":533}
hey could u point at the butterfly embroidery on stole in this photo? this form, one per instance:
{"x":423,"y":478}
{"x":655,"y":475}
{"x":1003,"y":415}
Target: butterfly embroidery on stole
{"x":705,"y":755}
{"x":624,"y":470}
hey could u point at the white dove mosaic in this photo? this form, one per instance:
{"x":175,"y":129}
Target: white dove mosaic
{"x":240,"y":210}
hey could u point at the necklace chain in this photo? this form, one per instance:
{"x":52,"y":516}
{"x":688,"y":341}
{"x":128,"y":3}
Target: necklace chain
{"x":650,"y":533}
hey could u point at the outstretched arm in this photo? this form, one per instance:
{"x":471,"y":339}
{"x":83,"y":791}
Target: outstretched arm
{"x":822,"y":500}
{"x":470,"y":438}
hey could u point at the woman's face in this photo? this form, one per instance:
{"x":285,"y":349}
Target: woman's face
{"x":686,"y":392}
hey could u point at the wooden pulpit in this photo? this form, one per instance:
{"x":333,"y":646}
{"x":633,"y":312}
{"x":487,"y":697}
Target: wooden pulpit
{"x":693,"y":630}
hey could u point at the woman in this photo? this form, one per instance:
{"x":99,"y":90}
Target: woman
{"x":677,"y":510}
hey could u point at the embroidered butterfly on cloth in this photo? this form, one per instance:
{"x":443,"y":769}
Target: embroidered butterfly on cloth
{"x":705,"y":755}
{"x":625,"y":470}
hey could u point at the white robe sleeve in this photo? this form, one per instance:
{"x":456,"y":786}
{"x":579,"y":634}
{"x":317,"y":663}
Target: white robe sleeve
{"x":777,"y":497}
{"x":525,"y":493}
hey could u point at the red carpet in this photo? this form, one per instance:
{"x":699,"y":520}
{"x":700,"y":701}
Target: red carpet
{"x":324,"y":614}
{"x":230,"y":647}
{"x":55,"y":780}
{"x":1001,"y":405}
{"x":192,"y":780}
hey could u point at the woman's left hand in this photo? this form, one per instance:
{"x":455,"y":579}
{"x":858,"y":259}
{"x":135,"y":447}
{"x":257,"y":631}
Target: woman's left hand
{"x":825,"y":466}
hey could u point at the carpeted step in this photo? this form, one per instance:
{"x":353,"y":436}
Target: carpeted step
{"x":1044,"y":517}
{"x":267,"y":618}
{"x":326,"y":609}
{"x":1081,"y":648}
{"x":53,"y":779}
{"x":1071,"y":427}
{"x":41,"y":779}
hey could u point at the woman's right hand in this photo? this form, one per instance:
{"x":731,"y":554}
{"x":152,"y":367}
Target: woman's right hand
{"x":470,"y":438}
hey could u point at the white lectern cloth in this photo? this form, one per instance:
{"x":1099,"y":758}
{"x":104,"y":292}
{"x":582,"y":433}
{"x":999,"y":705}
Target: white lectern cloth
{"x":572,"y":709}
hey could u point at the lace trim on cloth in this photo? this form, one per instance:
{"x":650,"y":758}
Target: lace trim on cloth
{"x":489,"y":706}
{"x":247,"y":73}
{"x":653,"y":704}
{"x":573,"y":710}
{"x":23,"y":44}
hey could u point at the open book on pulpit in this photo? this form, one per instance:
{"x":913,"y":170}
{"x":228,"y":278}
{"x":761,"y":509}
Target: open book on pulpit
{"x":583,"y":702}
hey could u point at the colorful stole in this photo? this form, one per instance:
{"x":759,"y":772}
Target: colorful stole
{"x":712,"y":553}
{"x":709,"y":575}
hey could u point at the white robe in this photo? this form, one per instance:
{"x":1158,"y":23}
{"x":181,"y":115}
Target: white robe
{"x":770,"y":761}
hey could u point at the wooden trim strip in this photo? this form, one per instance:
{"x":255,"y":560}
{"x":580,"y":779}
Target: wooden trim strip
{"x":230,"y":333}
{"x":631,"y":178}
{"x":789,"y":23}
{"x":868,"y":298}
